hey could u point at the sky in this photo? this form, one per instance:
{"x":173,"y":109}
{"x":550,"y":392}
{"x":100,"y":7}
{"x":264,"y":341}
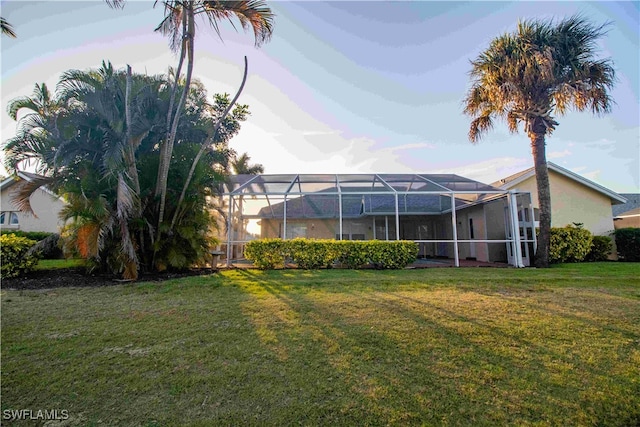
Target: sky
{"x":349,"y":87}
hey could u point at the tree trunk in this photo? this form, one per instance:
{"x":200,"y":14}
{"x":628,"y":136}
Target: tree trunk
{"x":537,"y":136}
{"x":204,"y":146}
{"x":165,"y":160}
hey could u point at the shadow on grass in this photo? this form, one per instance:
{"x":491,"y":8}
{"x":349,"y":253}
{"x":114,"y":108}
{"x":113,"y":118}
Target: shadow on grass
{"x":413,"y":360}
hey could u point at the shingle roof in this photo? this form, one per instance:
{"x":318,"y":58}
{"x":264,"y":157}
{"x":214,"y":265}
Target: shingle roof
{"x":633,"y":202}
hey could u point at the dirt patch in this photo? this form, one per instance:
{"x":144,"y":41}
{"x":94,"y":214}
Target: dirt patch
{"x":77,"y":277}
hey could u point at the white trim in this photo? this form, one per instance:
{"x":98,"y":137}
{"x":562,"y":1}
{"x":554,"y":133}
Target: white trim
{"x":8,"y":182}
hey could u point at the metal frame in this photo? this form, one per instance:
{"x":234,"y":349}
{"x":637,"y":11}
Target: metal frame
{"x":245,"y":186}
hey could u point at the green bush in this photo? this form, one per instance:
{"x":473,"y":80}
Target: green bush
{"x":13,"y":251}
{"x":32,"y":235}
{"x":628,"y":243}
{"x":391,"y":255}
{"x":351,"y":253}
{"x":569,"y":244}
{"x":265,"y":254}
{"x":313,"y":254}
{"x":601,"y":247}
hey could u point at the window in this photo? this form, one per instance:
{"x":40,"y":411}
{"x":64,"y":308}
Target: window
{"x":9,"y":218}
{"x":294,"y":231}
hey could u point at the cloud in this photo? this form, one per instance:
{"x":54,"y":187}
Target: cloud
{"x":488,"y":171}
{"x":558,"y":154}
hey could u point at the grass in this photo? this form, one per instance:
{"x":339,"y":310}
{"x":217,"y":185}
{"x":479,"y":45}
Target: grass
{"x":55,"y":264}
{"x":474,"y":346}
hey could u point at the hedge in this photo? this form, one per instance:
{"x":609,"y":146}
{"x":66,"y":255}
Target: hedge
{"x":569,"y":244}
{"x":601,"y":247}
{"x":319,"y":253}
{"x":31,"y":235}
{"x":13,"y":251}
{"x":628,"y":243}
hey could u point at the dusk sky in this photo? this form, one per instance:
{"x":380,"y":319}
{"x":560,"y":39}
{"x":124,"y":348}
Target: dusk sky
{"x":350,"y":87}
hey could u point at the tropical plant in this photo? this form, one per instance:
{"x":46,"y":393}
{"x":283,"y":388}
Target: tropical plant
{"x":179,"y":25}
{"x":240,"y":166}
{"x":543,"y":68}
{"x":99,"y":147}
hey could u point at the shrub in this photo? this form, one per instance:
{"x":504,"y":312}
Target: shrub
{"x":265,"y":254}
{"x":569,"y":244}
{"x":312,"y":254}
{"x":391,"y":255}
{"x":31,"y":235}
{"x":15,"y":261}
{"x":628,"y":243}
{"x":600,"y":249}
{"x":351,"y":253}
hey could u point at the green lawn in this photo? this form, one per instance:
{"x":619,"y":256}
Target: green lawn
{"x":442,"y":346}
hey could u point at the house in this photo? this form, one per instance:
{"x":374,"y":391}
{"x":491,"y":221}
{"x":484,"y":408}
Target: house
{"x":45,"y":204}
{"x":627,"y":214}
{"x":449,"y":216}
{"x":574,"y":198}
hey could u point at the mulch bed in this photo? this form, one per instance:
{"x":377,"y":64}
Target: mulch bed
{"x":77,"y":277}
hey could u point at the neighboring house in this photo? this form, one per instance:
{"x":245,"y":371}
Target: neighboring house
{"x":627,"y":214}
{"x":414,"y":207}
{"x":574,"y":198}
{"x":46,"y":207}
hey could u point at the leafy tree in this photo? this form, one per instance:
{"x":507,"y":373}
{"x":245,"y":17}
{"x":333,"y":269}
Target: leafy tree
{"x":96,"y":141}
{"x":241,"y":166}
{"x":179,"y":25}
{"x":543,"y":68}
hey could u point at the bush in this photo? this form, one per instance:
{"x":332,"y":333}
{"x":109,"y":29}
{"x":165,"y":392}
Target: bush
{"x":601,"y":247}
{"x":15,"y":261}
{"x":391,"y":255}
{"x":31,"y":235}
{"x":312,"y":254}
{"x":265,"y":254}
{"x":628,"y":243}
{"x":569,"y":244}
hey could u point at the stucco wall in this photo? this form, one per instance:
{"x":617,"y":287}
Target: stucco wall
{"x":46,"y":207}
{"x":573,"y":202}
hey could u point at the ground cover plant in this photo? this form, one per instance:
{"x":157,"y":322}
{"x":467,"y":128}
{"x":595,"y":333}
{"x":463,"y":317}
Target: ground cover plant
{"x":470,"y":346}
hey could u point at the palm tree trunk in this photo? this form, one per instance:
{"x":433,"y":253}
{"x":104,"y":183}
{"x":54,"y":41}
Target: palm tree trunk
{"x":537,"y":136}
{"x":204,"y":146}
{"x":170,"y":114}
{"x":166,"y":155}
{"x":132,"y":169}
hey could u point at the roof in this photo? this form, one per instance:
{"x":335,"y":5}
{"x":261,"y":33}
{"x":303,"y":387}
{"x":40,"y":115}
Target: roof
{"x":513,"y":180}
{"x":299,"y":184}
{"x":322,"y":205}
{"x":632,"y":204}
{"x":27,"y":176}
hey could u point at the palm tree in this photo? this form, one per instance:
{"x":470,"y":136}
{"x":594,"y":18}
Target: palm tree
{"x":179,"y":25}
{"x":541,"y":69}
{"x":7,"y":29}
{"x":96,"y":142}
{"x":241,"y":166}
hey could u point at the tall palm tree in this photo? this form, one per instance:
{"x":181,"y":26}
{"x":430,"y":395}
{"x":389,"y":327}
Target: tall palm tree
{"x":541,"y":70}
{"x":179,"y":25}
{"x":241,"y":166}
{"x":7,"y":28}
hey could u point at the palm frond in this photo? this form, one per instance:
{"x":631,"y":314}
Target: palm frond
{"x":254,"y":15}
{"x":23,"y":191}
{"x":7,"y":28}
{"x":116,"y":4}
